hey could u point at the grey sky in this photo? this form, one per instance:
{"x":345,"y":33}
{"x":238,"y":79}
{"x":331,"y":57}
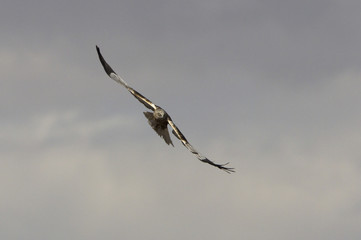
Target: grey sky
{"x":271,"y":86}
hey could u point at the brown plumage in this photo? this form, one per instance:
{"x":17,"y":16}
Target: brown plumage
{"x":159,"y":119}
{"x":160,"y":127}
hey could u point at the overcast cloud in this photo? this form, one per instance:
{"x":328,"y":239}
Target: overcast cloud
{"x":273,"y":87}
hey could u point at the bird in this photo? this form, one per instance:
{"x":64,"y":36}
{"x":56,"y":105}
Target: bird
{"x":159,"y":119}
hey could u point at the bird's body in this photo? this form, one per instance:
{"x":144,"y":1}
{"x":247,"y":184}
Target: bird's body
{"x":159,"y":118}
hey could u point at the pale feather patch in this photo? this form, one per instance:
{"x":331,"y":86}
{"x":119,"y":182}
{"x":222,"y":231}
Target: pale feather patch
{"x":118,"y":79}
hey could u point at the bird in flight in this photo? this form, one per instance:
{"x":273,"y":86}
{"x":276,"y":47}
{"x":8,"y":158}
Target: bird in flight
{"x":159,"y":118}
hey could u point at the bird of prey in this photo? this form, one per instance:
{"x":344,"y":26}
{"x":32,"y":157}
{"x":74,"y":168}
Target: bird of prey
{"x":159,"y":119}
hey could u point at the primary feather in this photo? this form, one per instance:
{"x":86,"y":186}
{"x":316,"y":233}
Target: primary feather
{"x":159,"y":119}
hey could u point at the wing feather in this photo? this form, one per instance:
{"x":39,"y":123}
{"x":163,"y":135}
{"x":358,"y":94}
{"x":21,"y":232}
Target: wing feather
{"x":113,"y":75}
{"x":200,"y":157}
{"x":163,"y":131}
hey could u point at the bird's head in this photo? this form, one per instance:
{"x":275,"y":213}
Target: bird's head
{"x":159,"y":113}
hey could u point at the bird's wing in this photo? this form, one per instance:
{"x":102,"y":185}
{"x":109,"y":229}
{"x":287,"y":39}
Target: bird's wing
{"x":184,"y":141}
{"x":111,"y":73}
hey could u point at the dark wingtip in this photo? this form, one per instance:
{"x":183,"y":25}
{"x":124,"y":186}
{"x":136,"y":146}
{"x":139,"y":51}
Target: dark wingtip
{"x":226,"y":169}
{"x":98,"y":50}
{"x":220,"y":166}
{"x":105,"y":65}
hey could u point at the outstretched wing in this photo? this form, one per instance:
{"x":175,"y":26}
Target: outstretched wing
{"x":184,"y":141}
{"x":111,"y":73}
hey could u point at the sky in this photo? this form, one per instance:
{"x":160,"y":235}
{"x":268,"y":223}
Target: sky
{"x":273,"y":87}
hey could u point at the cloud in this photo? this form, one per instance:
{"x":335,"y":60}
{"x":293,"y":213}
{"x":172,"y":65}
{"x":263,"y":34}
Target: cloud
{"x":272,"y":87}
{"x":89,"y":190}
